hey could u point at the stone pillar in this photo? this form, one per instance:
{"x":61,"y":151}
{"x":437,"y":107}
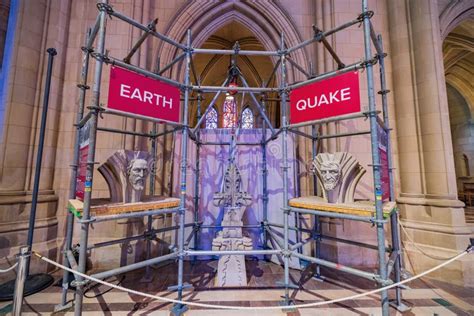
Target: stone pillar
{"x":39,"y":25}
{"x":430,"y":211}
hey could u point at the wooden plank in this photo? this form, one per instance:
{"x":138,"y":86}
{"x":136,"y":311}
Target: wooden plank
{"x":102,"y":208}
{"x":360,"y":208}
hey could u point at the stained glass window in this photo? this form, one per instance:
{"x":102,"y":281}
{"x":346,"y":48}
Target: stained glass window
{"x":211,"y":118}
{"x":247,"y":118}
{"x":230,"y":115}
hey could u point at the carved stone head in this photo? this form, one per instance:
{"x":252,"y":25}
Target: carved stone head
{"x":126,"y":172}
{"x":338,"y":174}
{"x":330,"y":174}
{"x":137,"y":171}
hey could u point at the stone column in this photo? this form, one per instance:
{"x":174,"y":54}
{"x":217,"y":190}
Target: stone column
{"x":430,"y":211}
{"x":39,"y":25}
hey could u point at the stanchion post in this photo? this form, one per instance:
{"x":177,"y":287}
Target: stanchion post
{"x":90,"y":161}
{"x":39,"y":158}
{"x":21,"y":275}
{"x":375,"y":160}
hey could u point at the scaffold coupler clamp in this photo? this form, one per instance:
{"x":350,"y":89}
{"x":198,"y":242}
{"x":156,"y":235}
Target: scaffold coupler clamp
{"x":367,"y":14}
{"x":375,"y":221}
{"x":286,"y":210}
{"x":107,"y":8}
{"x":383,"y":282}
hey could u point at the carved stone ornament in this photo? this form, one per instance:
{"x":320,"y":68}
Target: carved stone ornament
{"x":231,"y":268}
{"x":125,"y":173}
{"x":338,"y":174}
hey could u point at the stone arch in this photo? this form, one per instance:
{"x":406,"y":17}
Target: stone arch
{"x":454,"y":14}
{"x":265,"y":19}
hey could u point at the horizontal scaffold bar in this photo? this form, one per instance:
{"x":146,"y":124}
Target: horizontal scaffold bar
{"x":134,"y":266}
{"x":118,"y":62}
{"x":231,"y":252}
{"x":238,"y":89}
{"x":141,"y":117}
{"x":132,"y":214}
{"x":327,"y":75}
{"x":328,"y":120}
{"x":232,"y":52}
{"x":339,"y":267}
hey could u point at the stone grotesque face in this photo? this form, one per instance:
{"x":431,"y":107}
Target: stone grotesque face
{"x":137,"y":172}
{"x":330,"y":174}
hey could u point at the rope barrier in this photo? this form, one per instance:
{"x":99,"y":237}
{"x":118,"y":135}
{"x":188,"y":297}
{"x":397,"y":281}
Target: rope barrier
{"x":9,"y":269}
{"x":169,"y":300}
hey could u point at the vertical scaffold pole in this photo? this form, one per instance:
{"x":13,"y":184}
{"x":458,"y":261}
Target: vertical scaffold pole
{"x":179,"y":309}
{"x":286,"y":209}
{"x":196,"y":178}
{"x":74,"y":167}
{"x":317,"y":221}
{"x":394,"y":217}
{"x":90,"y":160}
{"x":149,"y":223}
{"x":264,"y":177}
{"x":375,"y":161}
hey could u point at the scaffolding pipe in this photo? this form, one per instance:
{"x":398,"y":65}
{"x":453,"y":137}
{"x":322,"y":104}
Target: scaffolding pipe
{"x":209,"y":107}
{"x":267,"y":83}
{"x":327,"y":75}
{"x":174,"y":61}
{"x":264,"y":177}
{"x":344,"y":134}
{"x":80,"y":123}
{"x":300,"y":133}
{"x":316,"y":37}
{"x":285,"y":167}
{"x":136,"y":237}
{"x":375,"y":41}
{"x":227,"y":88}
{"x":339,"y":267}
{"x":375,"y":159}
{"x":150,"y":28}
{"x":118,"y":131}
{"x":328,"y":120}
{"x":74,"y":167}
{"x":197,"y":174}
{"x":145,"y":28}
{"x":117,"y":62}
{"x":301,"y":69}
{"x":99,"y":219}
{"x":92,"y":35}
{"x":231,"y":252}
{"x":328,"y":46}
{"x":258,"y":105}
{"x":90,"y":166}
{"x":134,"y":266}
{"x":233,"y":51}
{"x":140,"y":117}
{"x":183,"y":188}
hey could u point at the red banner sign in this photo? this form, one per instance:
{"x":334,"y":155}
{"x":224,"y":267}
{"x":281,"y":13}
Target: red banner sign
{"x":134,"y":93}
{"x":336,"y":96}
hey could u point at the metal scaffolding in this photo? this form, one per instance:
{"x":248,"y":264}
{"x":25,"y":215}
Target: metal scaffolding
{"x":284,"y":248}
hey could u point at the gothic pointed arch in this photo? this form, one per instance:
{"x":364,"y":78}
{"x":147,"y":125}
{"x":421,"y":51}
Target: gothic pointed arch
{"x":265,"y":19}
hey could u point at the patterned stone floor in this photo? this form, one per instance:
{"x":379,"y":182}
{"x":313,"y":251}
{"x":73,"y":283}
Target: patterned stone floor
{"x":424,"y":297}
